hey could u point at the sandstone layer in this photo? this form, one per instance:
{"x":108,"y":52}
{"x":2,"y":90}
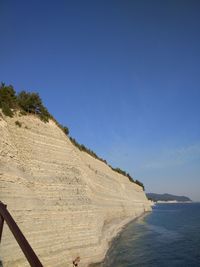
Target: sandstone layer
{"x":66,"y":203}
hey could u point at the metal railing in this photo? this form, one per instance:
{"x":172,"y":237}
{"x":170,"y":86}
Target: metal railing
{"x":20,"y":238}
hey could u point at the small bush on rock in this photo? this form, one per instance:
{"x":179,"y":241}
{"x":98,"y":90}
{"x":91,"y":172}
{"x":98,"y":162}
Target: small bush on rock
{"x":18,"y":123}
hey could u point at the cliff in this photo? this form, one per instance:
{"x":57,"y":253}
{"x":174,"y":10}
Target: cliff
{"x":66,"y":203}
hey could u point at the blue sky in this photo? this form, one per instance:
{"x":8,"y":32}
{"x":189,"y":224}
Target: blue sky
{"x":124,"y":76}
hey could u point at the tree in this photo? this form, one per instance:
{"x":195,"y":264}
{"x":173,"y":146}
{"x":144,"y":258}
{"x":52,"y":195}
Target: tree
{"x":29,"y":102}
{"x":32,"y":103}
{"x":8,"y":100}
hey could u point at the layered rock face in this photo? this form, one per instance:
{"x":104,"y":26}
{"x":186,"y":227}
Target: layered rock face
{"x":66,"y":203}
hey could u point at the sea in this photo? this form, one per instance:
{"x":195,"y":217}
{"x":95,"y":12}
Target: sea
{"x":169,"y":236}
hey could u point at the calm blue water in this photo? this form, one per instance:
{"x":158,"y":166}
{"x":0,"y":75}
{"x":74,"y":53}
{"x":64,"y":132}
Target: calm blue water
{"x":169,"y":236}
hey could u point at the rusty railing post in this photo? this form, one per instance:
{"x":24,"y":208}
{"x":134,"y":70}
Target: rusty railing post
{"x":23,"y":243}
{"x":1,"y":223}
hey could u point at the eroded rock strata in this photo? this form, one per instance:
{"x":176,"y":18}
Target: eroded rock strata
{"x":66,"y":203}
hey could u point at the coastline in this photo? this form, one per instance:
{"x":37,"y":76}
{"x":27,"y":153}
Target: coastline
{"x":118,"y":228}
{"x":172,"y":202}
{"x":82,"y":201}
{"x":164,"y":231}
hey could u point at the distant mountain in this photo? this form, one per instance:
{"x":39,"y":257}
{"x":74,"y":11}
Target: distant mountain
{"x":167,"y":197}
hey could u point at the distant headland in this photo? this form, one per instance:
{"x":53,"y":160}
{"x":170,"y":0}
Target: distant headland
{"x":167,"y":198}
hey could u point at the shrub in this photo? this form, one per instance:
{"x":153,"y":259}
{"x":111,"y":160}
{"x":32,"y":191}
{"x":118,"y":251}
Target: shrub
{"x":18,"y":123}
{"x":127,"y":175}
{"x":140,"y":184}
{"x":6,"y":109}
{"x":65,"y":130}
{"x":44,"y":114}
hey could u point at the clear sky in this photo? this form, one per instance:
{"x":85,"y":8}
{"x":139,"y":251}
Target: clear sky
{"x":124,"y":76}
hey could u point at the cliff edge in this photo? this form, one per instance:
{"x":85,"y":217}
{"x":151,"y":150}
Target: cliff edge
{"x":66,"y":203}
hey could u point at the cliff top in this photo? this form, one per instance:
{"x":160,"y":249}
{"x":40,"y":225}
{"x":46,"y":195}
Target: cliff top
{"x":25,"y":103}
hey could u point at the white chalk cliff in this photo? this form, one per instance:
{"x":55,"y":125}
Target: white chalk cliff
{"x":66,"y":203}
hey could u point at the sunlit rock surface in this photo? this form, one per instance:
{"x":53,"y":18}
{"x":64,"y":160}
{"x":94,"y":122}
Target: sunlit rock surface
{"x":66,"y":203}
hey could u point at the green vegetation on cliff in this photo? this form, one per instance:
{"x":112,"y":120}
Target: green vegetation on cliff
{"x":82,"y":147}
{"x":127,"y":175}
{"x":31,"y":103}
{"x":24,"y":101}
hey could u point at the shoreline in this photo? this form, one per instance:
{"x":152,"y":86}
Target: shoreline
{"x":139,"y":243}
{"x":172,"y":202}
{"x":119,"y":228}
